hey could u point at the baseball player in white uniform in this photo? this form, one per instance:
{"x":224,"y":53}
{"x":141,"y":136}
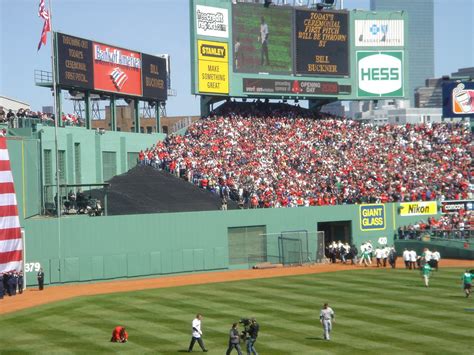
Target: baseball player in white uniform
{"x":326,"y":317}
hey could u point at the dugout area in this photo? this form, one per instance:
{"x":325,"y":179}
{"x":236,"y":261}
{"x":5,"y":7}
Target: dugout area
{"x":336,"y":231}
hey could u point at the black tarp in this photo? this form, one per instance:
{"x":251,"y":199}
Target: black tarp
{"x":147,"y":190}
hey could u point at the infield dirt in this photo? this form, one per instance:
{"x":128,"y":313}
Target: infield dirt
{"x":32,"y":297}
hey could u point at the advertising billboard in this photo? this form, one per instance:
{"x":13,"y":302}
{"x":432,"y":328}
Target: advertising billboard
{"x":380,"y":73}
{"x":418,"y":208}
{"x":262,"y":39}
{"x":154,"y":77}
{"x":458,"y":99}
{"x":287,"y":52}
{"x":458,"y":206}
{"x":88,"y":65}
{"x":300,"y":87}
{"x":322,"y":43}
{"x":212,"y":21}
{"x":75,"y":62}
{"x":213,"y":72}
{"x":372,"y":217}
{"x":117,"y":70}
{"x":379,"y":33}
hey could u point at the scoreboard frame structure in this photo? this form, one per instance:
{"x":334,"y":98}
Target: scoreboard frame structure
{"x":87,"y":67}
{"x":358,"y":46}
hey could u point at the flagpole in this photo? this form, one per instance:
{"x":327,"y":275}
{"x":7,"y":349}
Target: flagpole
{"x":56,"y":120}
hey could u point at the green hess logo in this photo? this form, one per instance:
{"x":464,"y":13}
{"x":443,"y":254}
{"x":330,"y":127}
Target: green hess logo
{"x":380,"y":73}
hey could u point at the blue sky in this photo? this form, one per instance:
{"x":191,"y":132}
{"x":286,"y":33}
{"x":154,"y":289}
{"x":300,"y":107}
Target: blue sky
{"x":162,"y":26}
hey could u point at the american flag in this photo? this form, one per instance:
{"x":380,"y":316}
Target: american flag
{"x":118,"y":78}
{"x":44,"y":14}
{"x":11,"y":245}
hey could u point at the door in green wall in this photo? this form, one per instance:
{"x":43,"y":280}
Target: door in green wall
{"x":109,"y":165}
{"x":48,"y":174}
{"x":132,"y":158}
{"x":77,"y":162}
{"x":245,"y":242}
{"x":62,"y":166}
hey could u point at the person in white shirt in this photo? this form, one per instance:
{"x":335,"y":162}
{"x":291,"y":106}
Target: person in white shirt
{"x":345,"y":252}
{"x":326,"y":317}
{"x":385,"y":251}
{"x":370,"y":249}
{"x":362,"y":250}
{"x":427,"y":255}
{"x":197,"y":334}
{"x":412,"y":259}
{"x":406,"y":258}
{"x":263,"y":39}
{"x":435,"y":257}
{"x":379,"y":256}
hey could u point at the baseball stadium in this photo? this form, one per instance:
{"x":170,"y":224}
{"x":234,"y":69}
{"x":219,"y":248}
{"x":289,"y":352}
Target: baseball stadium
{"x":264,"y":225}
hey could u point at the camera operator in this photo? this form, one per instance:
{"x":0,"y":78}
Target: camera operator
{"x":252,"y":338}
{"x":234,"y":340}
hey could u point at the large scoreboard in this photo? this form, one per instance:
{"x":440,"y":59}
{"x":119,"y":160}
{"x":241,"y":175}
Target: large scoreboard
{"x":247,"y":50}
{"x":88,"y":65}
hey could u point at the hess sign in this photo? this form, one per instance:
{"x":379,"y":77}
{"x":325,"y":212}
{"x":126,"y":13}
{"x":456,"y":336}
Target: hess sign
{"x":380,"y":74}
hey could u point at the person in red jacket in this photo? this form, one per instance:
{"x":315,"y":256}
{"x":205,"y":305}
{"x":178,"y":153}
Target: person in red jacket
{"x":119,"y":335}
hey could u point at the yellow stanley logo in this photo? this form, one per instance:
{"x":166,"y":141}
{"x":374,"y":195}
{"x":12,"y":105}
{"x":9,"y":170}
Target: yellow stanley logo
{"x":213,"y":51}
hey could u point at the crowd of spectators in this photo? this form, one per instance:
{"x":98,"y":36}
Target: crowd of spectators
{"x":278,"y":159}
{"x":459,"y":225}
{"x":24,"y":117}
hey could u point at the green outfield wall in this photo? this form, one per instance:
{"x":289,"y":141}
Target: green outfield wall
{"x":82,"y":248}
{"x":448,"y":249}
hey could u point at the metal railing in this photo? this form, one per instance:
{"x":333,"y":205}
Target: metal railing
{"x":455,"y":234}
{"x":43,"y":77}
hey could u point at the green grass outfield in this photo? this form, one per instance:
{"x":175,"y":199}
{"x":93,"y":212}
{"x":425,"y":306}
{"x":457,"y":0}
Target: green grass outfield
{"x":377,"y":311}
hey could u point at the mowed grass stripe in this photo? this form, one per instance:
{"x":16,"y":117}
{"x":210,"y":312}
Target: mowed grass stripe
{"x":377,"y":311}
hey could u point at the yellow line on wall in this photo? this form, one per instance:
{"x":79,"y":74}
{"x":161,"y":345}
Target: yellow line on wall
{"x":393,"y":217}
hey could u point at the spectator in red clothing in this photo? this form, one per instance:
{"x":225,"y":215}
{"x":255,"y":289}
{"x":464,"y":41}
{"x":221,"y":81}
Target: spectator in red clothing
{"x":141,"y":158}
{"x":119,"y":335}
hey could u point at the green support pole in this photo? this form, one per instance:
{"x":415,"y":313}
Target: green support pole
{"x":113,"y":114}
{"x":158,"y":119}
{"x":60,"y":107}
{"x":136,"y":115}
{"x":87,"y":102}
{"x":105,"y":202}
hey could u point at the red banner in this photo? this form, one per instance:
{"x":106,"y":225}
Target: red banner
{"x":117,"y":70}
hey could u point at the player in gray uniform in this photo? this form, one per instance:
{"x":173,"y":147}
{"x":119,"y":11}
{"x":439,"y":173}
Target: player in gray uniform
{"x":326,"y":317}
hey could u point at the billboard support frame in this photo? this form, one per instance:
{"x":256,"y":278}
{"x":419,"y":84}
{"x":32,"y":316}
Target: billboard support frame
{"x":136,"y":116}
{"x":113,"y":113}
{"x":265,"y":84}
{"x":153,"y":79}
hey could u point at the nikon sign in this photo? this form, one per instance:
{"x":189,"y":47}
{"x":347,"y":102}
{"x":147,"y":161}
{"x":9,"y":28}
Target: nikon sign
{"x":380,"y":74}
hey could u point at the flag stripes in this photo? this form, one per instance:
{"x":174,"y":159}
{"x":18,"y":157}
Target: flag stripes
{"x":11,"y":244}
{"x":8,"y":199}
{"x":7,"y":188}
{"x":10,"y":233}
{"x":44,"y":14}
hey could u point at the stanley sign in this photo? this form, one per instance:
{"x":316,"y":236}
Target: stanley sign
{"x":213,"y":67}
